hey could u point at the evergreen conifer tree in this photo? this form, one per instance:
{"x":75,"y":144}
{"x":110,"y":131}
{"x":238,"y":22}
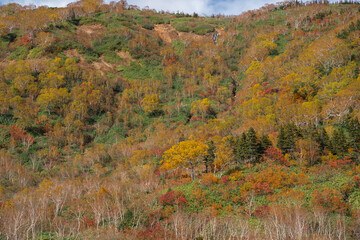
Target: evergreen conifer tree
{"x":209,"y":158}
{"x":353,"y":127}
{"x":322,"y":138}
{"x":265,"y":143}
{"x":254,"y":146}
{"x":287,"y":138}
{"x":242,"y":149}
{"x":339,"y":144}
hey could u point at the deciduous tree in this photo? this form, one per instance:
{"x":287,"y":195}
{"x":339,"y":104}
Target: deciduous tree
{"x":186,"y":154}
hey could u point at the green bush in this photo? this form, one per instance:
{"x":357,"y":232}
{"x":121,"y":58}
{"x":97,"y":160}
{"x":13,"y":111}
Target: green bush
{"x":158,"y":20}
{"x":35,"y":52}
{"x":148,"y":26}
{"x":181,"y":27}
{"x":110,"y":43}
{"x":19,"y":54}
{"x":203,"y":29}
{"x":91,"y":21}
{"x":140,"y":71}
{"x":4,"y":137}
{"x":112,"y":57}
{"x":90,"y":55}
{"x":9,"y":37}
{"x":178,"y":46}
{"x":67,"y":26}
{"x":69,"y":44}
{"x":190,"y":26}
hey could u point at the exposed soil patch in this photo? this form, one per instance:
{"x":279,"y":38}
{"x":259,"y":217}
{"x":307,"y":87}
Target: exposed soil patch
{"x":73,"y":53}
{"x":102,"y":66}
{"x":221,"y":32}
{"x":86,"y":34}
{"x":168,"y":33}
{"x":192,"y":37}
{"x":126,"y":58}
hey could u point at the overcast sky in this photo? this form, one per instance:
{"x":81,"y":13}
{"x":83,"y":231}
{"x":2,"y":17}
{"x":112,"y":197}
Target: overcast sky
{"x":203,"y":7}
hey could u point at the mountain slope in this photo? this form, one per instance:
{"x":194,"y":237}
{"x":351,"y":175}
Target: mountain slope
{"x":123,"y":123}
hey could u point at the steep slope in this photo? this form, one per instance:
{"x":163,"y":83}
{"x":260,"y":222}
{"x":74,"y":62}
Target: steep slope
{"x":123,"y":123}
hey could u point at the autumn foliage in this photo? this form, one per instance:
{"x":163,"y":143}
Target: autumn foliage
{"x":124,"y":123}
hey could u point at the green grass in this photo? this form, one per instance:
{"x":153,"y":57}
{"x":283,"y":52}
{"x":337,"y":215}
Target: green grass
{"x":19,"y":54}
{"x":281,"y":44}
{"x":140,"y":70}
{"x":187,"y":24}
{"x":35,"y":52}
{"x":112,"y":57}
{"x":113,"y":135}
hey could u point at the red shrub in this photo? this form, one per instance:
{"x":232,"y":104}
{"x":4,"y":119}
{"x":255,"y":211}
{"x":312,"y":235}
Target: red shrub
{"x":173,"y":198}
{"x":262,"y":188}
{"x":262,"y":211}
{"x":275,"y":154}
{"x":26,"y":40}
{"x":356,"y":180}
{"x":340,"y":163}
{"x":225,"y":180}
{"x":88,"y":222}
{"x":330,"y":199}
{"x":20,"y":135}
{"x":156,"y":232}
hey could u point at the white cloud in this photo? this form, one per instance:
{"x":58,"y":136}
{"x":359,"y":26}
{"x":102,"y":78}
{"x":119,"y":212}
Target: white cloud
{"x":235,"y":7}
{"x":50,"y":3}
{"x":203,"y":7}
{"x":187,"y":6}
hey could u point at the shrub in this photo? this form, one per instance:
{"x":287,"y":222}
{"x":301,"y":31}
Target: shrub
{"x":262,"y":188}
{"x":108,"y":44}
{"x":90,"y":55}
{"x":148,"y":26}
{"x":91,"y":21}
{"x":275,"y":154}
{"x":330,"y":199}
{"x":209,"y":179}
{"x":262,"y":211}
{"x":203,"y":29}
{"x":65,"y":45}
{"x":19,"y":54}
{"x":173,"y":198}
{"x":112,"y":57}
{"x":158,"y":20}
{"x":35,"y":52}
{"x":181,"y":27}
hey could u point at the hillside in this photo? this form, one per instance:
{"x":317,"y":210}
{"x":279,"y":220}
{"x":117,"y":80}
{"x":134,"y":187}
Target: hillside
{"x":122,"y":123}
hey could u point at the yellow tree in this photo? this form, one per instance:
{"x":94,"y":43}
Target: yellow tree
{"x":51,"y":79}
{"x":223,"y":153}
{"x":201,"y":107}
{"x":91,"y":6}
{"x":50,"y":98}
{"x":186,"y":154}
{"x":150,"y":103}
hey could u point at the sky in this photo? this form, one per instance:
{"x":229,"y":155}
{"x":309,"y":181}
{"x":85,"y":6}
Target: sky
{"x":202,"y":7}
